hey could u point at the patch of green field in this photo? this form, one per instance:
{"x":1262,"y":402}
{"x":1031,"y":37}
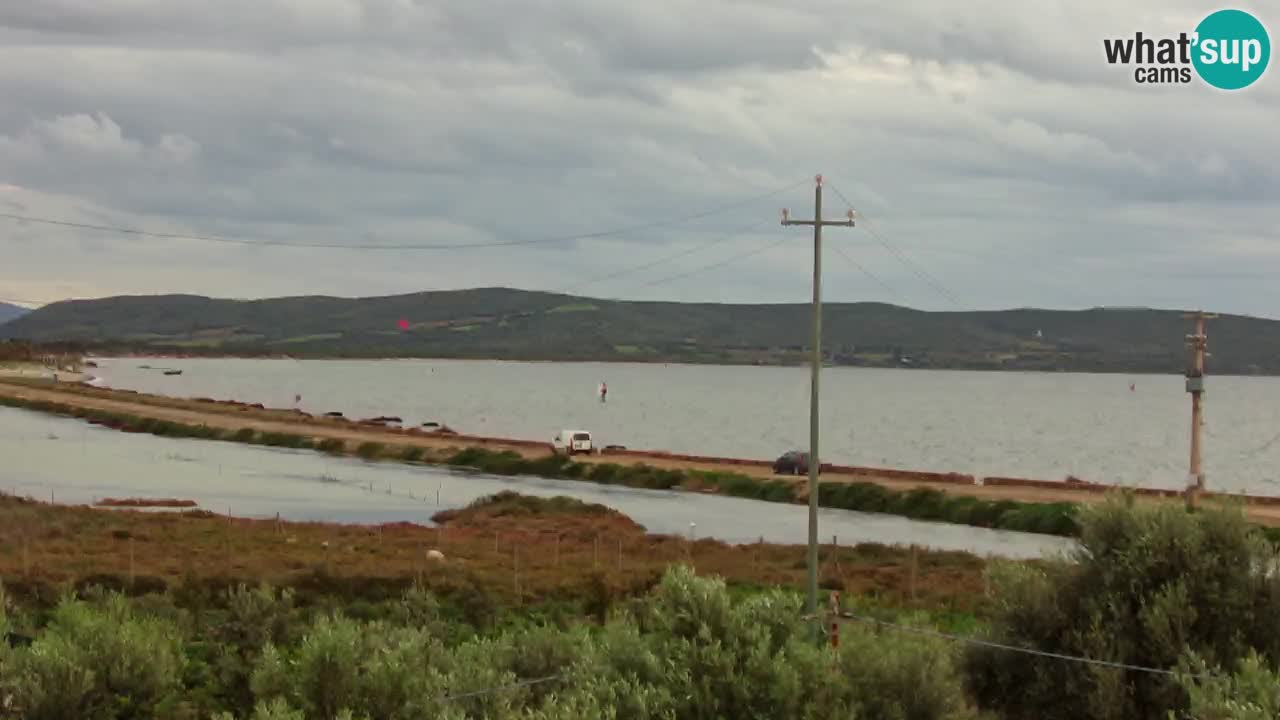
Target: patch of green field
{"x":572,"y":308}
{"x":307,"y":338}
{"x":196,"y":342}
{"x":632,"y":349}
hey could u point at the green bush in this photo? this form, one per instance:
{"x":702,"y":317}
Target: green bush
{"x":604,"y":473}
{"x":333,"y":446}
{"x":1252,"y":692}
{"x":1146,"y":585}
{"x":96,"y":663}
{"x":281,"y":439}
{"x":244,"y":435}
{"x":411,"y":454}
{"x":690,"y":652}
{"x":370,"y":450}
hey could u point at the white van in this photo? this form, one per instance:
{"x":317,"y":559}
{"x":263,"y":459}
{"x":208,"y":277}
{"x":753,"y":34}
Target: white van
{"x":572,"y":441}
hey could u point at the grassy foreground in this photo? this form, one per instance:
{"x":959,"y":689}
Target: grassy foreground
{"x":921,"y":503}
{"x":1161,"y":614}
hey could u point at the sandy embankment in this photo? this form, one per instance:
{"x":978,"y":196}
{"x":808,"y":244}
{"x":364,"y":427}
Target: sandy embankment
{"x":234,"y":416}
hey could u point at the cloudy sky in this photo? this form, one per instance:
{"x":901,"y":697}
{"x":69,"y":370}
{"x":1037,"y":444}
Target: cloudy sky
{"x":1001,"y":161}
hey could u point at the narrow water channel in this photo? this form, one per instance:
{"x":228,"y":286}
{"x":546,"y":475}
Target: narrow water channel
{"x":70,"y":461}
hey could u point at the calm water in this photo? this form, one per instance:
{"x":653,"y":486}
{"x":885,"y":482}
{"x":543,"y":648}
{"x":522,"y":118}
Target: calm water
{"x":1042,"y":425}
{"x":74,"y":462}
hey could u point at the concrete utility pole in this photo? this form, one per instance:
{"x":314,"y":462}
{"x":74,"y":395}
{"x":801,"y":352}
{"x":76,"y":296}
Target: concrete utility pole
{"x":1197,"y":342}
{"x":815,"y":463}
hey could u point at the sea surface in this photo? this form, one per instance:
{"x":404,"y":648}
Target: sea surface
{"x":65,"y":460}
{"x":1037,"y":425}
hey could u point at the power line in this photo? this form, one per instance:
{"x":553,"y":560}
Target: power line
{"x":664,"y":259}
{"x":923,"y":274}
{"x":716,"y":265}
{"x":848,"y":258}
{"x":1015,"y":648}
{"x":406,"y":246}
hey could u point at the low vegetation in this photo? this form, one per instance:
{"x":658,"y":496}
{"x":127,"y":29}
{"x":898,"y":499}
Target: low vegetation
{"x":1159,"y":614}
{"x":512,"y":550}
{"x":690,"y":650}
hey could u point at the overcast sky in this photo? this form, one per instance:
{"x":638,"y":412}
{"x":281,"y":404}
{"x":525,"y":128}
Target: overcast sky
{"x":988,"y":142}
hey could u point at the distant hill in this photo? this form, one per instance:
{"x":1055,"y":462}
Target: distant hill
{"x":516,"y":324}
{"x":10,"y":312}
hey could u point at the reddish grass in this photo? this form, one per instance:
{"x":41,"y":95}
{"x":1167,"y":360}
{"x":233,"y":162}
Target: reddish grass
{"x":524,"y":557}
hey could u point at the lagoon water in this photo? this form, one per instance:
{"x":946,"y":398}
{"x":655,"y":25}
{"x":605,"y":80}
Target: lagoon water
{"x":70,"y":461}
{"x":1039,"y":425}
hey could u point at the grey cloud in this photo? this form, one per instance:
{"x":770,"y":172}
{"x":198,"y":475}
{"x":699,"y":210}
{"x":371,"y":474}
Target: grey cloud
{"x":991,"y":140}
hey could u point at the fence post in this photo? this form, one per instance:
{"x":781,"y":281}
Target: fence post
{"x":911,"y":575}
{"x":835,"y":620}
{"x":986,"y":578}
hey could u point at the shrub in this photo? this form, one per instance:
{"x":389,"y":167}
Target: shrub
{"x":281,"y":439}
{"x":1144,"y":585}
{"x":370,"y":450}
{"x":1251,"y":693}
{"x":244,"y":435}
{"x":411,"y":454}
{"x":333,"y":446}
{"x":97,"y":663}
{"x":604,"y":473}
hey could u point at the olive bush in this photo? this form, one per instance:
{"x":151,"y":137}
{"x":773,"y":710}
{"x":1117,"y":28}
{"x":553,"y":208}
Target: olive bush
{"x":1251,"y":693}
{"x":1146,"y":585}
{"x":96,"y":664}
{"x":688,"y":651}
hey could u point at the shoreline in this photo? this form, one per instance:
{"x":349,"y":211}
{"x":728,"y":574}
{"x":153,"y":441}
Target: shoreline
{"x":254,"y":424}
{"x":174,"y":355}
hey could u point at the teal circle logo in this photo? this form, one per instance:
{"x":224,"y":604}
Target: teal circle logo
{"x":1232,"y":49}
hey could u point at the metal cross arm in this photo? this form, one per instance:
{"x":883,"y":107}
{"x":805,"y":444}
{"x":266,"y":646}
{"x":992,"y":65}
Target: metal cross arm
{"x":847,"y":222}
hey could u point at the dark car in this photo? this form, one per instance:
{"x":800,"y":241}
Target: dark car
{"x":792,"y":463}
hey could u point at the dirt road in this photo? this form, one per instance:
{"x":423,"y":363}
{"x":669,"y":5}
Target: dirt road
{"x":234,"y":416}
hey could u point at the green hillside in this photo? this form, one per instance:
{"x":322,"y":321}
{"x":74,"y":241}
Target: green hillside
{"x":516,"y":324}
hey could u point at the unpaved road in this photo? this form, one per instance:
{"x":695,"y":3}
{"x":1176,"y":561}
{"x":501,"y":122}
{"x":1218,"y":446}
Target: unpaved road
{"x":234,"y":417}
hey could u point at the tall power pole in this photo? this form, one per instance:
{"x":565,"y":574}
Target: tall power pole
{"x":1197,"y":342}
{"x":815,"y":463}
